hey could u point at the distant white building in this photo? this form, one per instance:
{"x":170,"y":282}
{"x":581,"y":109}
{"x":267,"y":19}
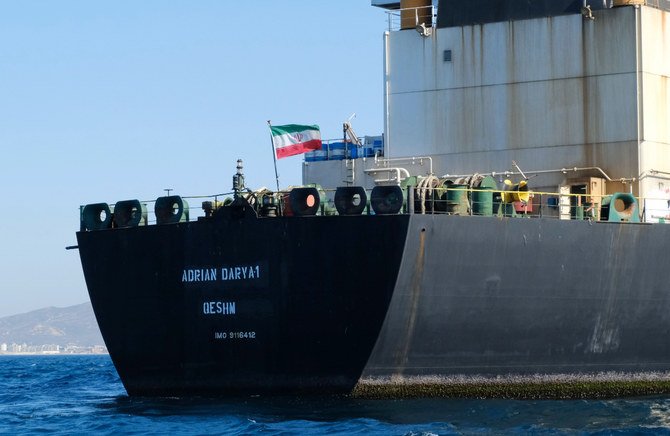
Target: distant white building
{"x":3,"y":347}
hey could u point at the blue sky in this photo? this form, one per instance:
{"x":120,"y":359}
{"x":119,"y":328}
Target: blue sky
{"x":107,"y":101}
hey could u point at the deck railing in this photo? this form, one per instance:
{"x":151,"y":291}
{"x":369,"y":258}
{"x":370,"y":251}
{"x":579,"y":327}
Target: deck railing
{"x":461,"y":201}
{"x":410,"y":18}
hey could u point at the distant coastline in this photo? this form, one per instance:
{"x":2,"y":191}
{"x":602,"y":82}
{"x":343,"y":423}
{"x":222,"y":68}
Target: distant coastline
{"x":54,"y":354}
{"x":49,"y":350}
{"x":52,"y":331}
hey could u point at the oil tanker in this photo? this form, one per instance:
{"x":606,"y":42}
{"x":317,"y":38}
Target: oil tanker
{"x":405,"y":265}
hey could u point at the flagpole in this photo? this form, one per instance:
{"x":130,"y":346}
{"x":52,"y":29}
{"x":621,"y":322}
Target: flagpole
{"x":274,"y":154}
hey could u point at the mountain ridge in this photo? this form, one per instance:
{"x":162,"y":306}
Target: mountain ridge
{"x":63,"y":326}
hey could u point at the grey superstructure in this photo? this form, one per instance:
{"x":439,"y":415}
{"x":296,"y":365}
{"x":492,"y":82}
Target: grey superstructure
{"x":573,"y":94}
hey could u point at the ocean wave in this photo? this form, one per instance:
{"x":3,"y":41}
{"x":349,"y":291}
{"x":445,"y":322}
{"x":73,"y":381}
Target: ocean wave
{"x":83,"y":394}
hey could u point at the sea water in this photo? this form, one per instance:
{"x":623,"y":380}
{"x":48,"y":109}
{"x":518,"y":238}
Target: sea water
{"x":83,"y":395}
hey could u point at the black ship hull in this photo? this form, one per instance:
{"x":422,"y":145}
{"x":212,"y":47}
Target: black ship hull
{"x":534,"y":299}
{"x":226,"y":306}
{"x":318,"y":304}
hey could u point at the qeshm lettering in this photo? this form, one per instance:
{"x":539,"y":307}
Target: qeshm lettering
{"x":218,"y":308}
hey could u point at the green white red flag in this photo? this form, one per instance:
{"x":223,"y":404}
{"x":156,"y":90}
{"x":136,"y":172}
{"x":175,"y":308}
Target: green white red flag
{"x":292,"y":139}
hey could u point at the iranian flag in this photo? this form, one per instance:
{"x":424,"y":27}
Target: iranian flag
{"x":292,"y":139}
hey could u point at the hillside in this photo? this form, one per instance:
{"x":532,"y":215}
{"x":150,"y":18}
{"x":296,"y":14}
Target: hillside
{"x":67,"y":326}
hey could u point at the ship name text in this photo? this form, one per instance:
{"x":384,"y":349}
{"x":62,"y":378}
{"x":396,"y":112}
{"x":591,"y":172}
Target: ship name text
{"x":227,"y":273}
{"x":218,"y":308}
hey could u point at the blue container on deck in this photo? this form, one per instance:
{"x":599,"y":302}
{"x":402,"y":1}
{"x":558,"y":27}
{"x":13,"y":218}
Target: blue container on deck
{"x":317,"y":155}
{"x":366,"y":151}
{"x":336,"y":151}
{"x":378,"y":147}
{"x":352,"y":151}
{"x":374,"y":146}
{"x":339,"y":150}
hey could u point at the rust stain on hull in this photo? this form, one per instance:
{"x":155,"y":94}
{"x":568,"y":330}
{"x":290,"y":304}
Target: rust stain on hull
{"x":415,"y":296}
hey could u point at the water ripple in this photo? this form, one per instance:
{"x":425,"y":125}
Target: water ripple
{"x":83,"y":395}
